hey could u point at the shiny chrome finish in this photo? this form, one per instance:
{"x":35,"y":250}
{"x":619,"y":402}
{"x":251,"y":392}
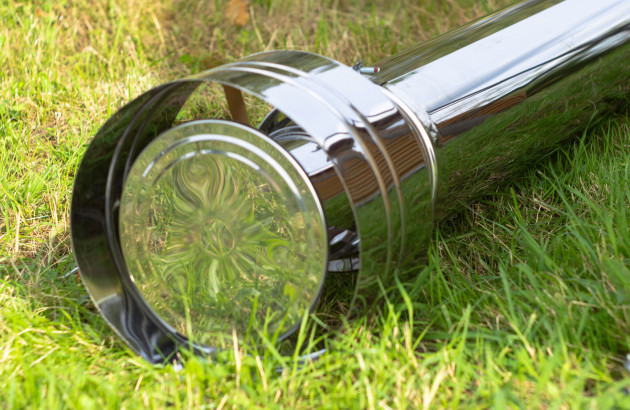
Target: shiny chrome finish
{"x":194,"y":234}
{"x":214,"y":215}
{"x":502,"y":92}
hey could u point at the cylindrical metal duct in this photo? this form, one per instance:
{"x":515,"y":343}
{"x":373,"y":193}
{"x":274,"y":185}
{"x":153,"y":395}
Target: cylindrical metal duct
{"x":189,"y":231}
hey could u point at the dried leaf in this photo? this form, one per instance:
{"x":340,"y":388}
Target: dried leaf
{"x":211,"y":60}
{"x":237,"y":12}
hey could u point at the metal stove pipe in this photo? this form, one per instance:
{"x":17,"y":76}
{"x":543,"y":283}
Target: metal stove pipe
{"x":192,"y":233}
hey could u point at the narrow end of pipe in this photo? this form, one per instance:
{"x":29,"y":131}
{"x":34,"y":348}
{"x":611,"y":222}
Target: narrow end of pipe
{"x":220,"y":229}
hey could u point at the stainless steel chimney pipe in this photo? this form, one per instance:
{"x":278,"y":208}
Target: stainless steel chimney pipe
{"x":192,"y":233}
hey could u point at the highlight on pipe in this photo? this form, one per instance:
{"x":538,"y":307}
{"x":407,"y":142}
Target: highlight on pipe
{"x":189,"y":228}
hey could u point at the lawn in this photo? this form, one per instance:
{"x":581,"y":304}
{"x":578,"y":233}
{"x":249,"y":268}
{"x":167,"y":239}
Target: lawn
{"x":524,"y":300}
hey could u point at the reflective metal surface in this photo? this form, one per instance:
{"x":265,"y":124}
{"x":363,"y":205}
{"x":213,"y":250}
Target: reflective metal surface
{"x":350,"y":139}
{"x":190,"y":234}
{"x":502,"y":92}
{"x":221,"y":229}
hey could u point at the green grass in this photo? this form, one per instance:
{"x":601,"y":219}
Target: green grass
{"x":524,"y":301}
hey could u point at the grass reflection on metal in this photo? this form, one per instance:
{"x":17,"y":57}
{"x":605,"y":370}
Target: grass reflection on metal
{"x":214,"y":242}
